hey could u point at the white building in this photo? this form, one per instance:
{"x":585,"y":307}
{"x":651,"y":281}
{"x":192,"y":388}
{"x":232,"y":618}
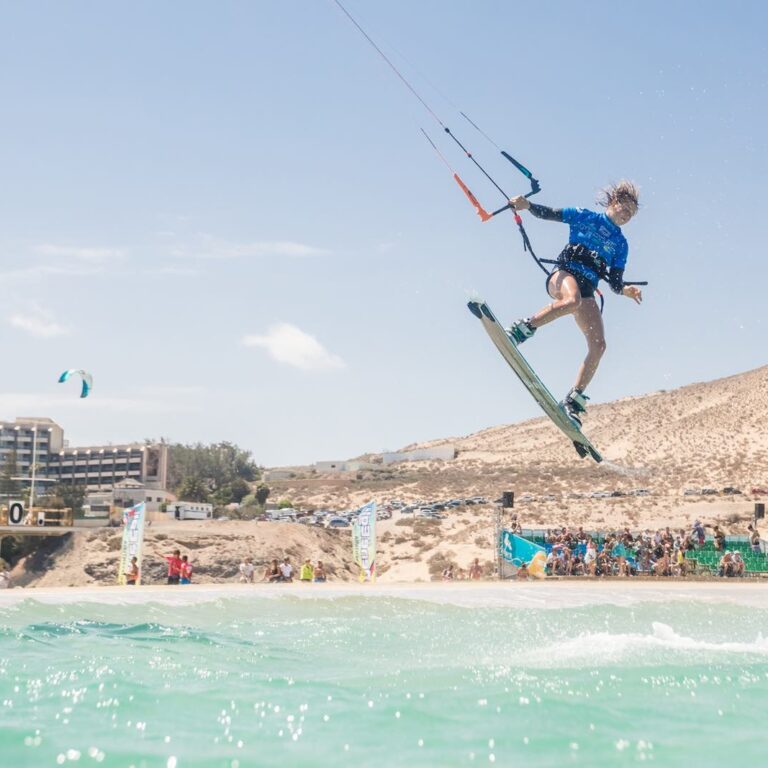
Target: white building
{"x":40,"y":441}
{"x":440,"y":452}
{"x":128,"y":493}
{"x":328,"y":467}
{"x":189,"y":510}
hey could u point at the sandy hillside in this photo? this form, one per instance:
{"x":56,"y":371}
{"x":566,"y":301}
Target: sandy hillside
{"x":713,"y":434}
{"x":214,"y":548}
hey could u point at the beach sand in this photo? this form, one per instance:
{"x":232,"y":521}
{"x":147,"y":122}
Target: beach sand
{"x":550,"y":594}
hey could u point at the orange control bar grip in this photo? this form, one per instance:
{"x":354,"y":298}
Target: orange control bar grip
{"x":481,"y":212}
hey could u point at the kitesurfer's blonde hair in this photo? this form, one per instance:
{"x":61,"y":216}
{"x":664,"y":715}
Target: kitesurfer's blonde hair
{"x":623,"y":191}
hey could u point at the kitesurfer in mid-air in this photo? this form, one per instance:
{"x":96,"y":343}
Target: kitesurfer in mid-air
{"x":596,"y":250}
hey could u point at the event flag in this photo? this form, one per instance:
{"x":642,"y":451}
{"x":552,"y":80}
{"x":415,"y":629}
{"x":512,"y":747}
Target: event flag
{"x":133,"y":537}
{"x":364,"y":541}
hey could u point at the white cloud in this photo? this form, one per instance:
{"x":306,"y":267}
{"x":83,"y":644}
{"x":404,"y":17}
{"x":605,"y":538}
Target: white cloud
{"x":160,"y":401}
{"x":212,"y":248}
{"x":45,"y":270}
{"x":282,"y":248}
{"x":38,"y":323}
{"x":89,"y":255}
{"x":288,"y":344}
{"x":63,"y":261}
{"x":173,"y":271}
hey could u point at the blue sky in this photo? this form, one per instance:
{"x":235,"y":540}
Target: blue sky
{"x":227,"y":213}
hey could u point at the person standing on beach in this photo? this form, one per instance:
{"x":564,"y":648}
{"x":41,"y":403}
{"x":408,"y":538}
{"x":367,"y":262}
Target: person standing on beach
{"x":319,"y":572}
{"x":272,"y":572}
{"x":246,"y":571}
{"x":306,"y":572}
{"x":286,"y":570}
{"x":132,"y":577}
{"x":174,"y":566}
{"x":754,"y":539}
{"x":185,"y":571}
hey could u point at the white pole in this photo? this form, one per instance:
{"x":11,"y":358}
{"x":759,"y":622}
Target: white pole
{"x":34,"y":461}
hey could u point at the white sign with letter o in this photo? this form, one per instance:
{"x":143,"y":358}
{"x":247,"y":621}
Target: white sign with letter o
{"x":15,"y":512}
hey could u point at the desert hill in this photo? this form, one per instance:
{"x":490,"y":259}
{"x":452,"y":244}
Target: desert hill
{"x":712,"y":434}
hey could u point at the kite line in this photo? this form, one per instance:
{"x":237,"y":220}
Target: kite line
{"x":481,"y":211}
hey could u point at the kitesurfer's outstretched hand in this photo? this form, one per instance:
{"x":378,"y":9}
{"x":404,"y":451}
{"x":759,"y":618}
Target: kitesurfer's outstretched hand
{"x":634,"y":293}
{"x":520,"y":203}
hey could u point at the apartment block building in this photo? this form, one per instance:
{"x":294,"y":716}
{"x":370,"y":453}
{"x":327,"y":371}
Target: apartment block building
{"x":40,"y":442}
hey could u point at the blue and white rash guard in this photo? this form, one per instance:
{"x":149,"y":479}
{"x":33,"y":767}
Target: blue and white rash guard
{"x":598,"y":234}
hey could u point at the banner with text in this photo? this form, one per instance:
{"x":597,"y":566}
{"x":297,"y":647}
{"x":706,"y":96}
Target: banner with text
{"x":133,"y":537}
{"x":364,"y":541}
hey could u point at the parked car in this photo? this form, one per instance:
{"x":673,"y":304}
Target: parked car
{"x":337,"y":522}
{"x":641,"y":492}
{"x":729,"y":490}
{"x":692,"y":492}
{"x":617,"y":494}
{"x":760,"y":491}
{"x":709,"y":491}
{"x":275,"y":514}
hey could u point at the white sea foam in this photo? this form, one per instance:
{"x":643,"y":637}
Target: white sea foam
{"x":601,"y":648}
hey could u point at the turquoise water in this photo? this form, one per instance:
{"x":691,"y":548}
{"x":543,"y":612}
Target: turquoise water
{"x":254,"y":680}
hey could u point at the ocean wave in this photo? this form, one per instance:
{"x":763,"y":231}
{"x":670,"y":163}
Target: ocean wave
{"x":661,"y":644}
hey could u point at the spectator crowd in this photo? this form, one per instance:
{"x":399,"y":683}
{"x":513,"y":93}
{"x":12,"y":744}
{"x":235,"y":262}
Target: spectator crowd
{"x":282,"y":571}
{"x":664,"y":552}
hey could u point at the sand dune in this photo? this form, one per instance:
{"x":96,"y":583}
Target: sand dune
{"x":712,"y":434}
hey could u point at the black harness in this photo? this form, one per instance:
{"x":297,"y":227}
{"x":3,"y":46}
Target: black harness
{"x":576,"y":253}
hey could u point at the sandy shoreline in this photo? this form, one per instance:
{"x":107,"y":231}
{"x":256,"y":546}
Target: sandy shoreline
{"x":542,"y":595}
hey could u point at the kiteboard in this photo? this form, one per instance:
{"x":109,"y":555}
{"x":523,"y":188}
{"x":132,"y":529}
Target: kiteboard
{"x":531,"y":381}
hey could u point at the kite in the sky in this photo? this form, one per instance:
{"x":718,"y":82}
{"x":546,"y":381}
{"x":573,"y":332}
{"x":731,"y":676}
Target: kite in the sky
{"x":86,"y":377}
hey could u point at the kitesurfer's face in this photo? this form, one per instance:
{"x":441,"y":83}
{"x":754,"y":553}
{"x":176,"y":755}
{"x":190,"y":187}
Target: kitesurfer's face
{"x":621,"y":211}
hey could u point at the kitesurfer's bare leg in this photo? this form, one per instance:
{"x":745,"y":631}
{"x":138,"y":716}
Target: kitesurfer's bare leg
{"x":564,"y":289}
{"x":590,"y":321}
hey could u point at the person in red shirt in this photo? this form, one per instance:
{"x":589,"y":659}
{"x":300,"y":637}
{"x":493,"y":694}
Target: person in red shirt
{"x":185,"y":571}
{"x":174,"y":566}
